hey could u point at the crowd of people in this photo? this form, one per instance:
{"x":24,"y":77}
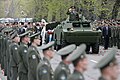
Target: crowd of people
{"x":110,"y":32}
{"x":24,"y":53}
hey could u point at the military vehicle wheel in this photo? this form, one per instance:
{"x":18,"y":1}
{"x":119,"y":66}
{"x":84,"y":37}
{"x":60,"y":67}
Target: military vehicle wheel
{"x":95,"y":48}
{"x":118,"y":45}
{"x":64,"y":43}
{"x":88,"y":49}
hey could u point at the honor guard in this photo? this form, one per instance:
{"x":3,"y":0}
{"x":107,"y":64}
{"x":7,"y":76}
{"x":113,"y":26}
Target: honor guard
{"x":62,"y":71}
{"x":33,"y":56}
{"x":6,"y":44}
{"x":23,"y":51}
{"x":108,"y":66}
{"x":14,"y":56}
{"x":44,"y":70}
{"x":79,"y":60}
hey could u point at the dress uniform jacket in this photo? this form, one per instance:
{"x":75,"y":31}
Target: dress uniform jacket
{"x":5,"y":56}
{"x":0,"y":47}
{"x":33,"y":61}
{"x":14,"y":60}
{"x":44,"y":70}
{"x":3,"y":52}
{"x":23,"y":65}
{"x":8,"y":58}
{"x":101,"y":78}
{"x":76,"y":76}
{"x":118,"y":37}
{"x":62,"y":72}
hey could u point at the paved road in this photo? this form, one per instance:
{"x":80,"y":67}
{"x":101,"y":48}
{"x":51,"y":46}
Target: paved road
{"x":91,"y":73}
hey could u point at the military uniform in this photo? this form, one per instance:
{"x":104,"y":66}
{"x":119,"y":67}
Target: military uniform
{"x":76,"y":76}
{"x":79,"y":53}
{"x":22,"y":59}
{"x":6,"y":54}
{"x":118,"y":37}
{"x":33,"y":58}
{"x":62,"y":71}
{"x":14,"y":58}
{"x":112,"y":37}
{"x":101,"y":78}
{"x":44,"y":69}
{"x":0,"y":46}
{"x":3,"y":52}
{"x":105,"y":62}
{"x":8,"y":58}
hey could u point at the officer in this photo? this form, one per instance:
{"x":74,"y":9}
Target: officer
{"x":7,"y":42}
{"x":115,"y":35}
{"x":44,"y":70}
{"x":1,"y":35}
{"x":108,"y":66}
{"x":62,"y":71}
{"x":79,"y":60}
{"x":73,"y":14}
{"x":33,"y":56}
{"x":112,"y":36}
{"x":118,"y":36}
{"x":2,"y":50}
{"x":14,"y":56}
{"x":23,"y":51}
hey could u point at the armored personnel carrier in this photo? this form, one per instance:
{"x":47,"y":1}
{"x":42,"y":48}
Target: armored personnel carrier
{"x":83,"y":32}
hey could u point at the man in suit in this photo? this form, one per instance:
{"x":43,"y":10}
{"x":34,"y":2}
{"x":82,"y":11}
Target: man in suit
{"x":33,"y":56}
{"x":79,"y":60}
{"x":108,"y":66}
{"x":22,"y":58}
{"x":44,"y":69}
{"x":62,"y":71}
{"x":106,"y":32}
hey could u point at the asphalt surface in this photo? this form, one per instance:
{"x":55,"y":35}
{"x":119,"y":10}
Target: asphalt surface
{"x":91,"y":73}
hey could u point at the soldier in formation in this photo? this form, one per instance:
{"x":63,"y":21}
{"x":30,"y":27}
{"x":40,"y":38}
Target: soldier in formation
{"x":79,"y":60}
{"x":22,"y":58}
{"x":33,"y":62}
{"x":14,"y":56}
{"x":33,"y":56}
{"x":108,"y":66}
{"x":44,"y":69}
{"x":62,"y":71}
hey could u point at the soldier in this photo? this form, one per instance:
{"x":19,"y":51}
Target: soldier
{"x":14,"y":56}
{"x":62,"y":71}
{"x":79,"y":60}
{"x":108,"y":66}
{"x":33,"y":56}
{"x":7,"y":42}
{"x":1,"y":35}
{"x":118,"y":36}
{"x":73,"y":14}
{"x":44,"y":70}
{"x":3,"y":50}
{"x":23,"y":51}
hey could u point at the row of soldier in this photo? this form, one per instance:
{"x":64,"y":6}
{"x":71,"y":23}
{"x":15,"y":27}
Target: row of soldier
{"x":110,"y":33}
{"x":33,"y":62}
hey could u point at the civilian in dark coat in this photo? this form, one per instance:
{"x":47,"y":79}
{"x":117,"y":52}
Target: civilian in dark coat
{"x":106,"y":32}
